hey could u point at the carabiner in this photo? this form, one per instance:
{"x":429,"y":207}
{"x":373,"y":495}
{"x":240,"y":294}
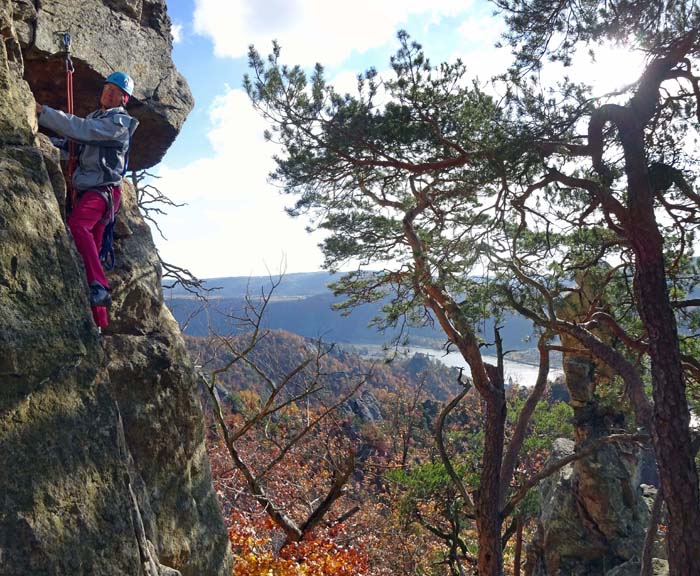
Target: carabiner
{"x":66,"y":45}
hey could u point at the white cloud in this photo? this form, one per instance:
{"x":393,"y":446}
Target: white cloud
{"x":480,"y":31}
{"x":239,"y":219}
{"x":345,"y":82}
{"x":176,"y":31}
{"x":311,"y":30}
{"x":478,"y":35}
{"x":234,"y":222}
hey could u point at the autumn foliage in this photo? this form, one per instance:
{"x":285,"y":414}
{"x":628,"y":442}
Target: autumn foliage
{"x":320,"y":555}
{"x":397,"y":500}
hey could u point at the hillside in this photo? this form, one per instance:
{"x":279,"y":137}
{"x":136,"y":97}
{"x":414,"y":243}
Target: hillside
{"x":294,"y":285}
{"x":385,"y":431}
{"x":303,"y":304}
{"x":280,"y":352}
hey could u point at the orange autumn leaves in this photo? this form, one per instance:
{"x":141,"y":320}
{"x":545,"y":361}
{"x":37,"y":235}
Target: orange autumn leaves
{"x":320,"y":555}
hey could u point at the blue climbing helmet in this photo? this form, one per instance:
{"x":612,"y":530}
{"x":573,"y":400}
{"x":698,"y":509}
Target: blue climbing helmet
{"x":122,"y":80}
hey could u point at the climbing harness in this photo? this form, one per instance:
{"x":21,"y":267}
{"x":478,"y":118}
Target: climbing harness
{"x":107,"y":257}
{"x":107,"y":249}
{"x":71,"y":197}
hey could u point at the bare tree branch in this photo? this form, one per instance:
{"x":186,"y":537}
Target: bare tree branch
{"x":520,"y":431}
{"x":447,"y":462}
{"x":253,"y":315}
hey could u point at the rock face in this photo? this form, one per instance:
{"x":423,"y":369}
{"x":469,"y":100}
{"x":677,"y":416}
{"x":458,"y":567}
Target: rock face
{"x":102,"y":462}
{"x":586,"y":526}
{"x":153,"y":382}
{"x":365,"y":406}
{"x":659,"y":568}
{"x":107,"y":35}
{"x":594,"y":512}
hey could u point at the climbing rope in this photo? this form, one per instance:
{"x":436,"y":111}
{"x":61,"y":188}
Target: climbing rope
{"x":71,"y":197}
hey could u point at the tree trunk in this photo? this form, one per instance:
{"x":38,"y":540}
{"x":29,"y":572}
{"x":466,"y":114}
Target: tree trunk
{"x":671,"y":432}
{"x":518,"y":548}
{"x":488,"y":512}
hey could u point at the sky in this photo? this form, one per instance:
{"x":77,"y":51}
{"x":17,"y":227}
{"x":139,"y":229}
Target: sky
{"x":234,"y":223}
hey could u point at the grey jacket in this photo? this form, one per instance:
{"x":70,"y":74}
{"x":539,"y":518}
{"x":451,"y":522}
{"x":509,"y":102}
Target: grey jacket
{"x":106,"y":136}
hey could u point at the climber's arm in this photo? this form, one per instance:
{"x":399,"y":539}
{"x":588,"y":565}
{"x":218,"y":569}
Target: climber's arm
{"x":95,"y":131}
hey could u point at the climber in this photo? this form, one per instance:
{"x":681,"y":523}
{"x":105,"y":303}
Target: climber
{"x":105,"y":138}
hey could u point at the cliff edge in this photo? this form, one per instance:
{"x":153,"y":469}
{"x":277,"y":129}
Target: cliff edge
{"x":103,"y":468}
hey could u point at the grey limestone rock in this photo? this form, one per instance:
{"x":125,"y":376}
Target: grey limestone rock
{"x":365,"y":406}
{"x":153,"y":381}
{"x":593,"y":514}
{"x":61,"y":481}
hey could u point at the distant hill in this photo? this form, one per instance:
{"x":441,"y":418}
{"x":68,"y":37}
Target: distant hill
{"x":303,"y":304}
{"x":298,"y":285}
{"x":280,"y":353}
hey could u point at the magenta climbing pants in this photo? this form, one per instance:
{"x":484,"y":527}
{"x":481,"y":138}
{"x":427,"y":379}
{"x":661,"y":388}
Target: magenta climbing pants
{"x":86,"y":223}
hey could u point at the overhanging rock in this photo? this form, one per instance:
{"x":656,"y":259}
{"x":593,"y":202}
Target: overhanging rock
{"x":108,"y":35}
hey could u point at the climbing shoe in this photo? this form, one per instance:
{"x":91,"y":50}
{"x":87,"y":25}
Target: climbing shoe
{"x":99,"y":296}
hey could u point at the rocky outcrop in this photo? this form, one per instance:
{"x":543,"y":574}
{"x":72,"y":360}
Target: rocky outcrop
{"x":589,"y":527}
{"x":364,"y":406}
{"x":594,"y":512}
{"x":107,"y":35}
{"x":153,"y":382}
{"x":659,"y":567}
{"x":102,"y":462}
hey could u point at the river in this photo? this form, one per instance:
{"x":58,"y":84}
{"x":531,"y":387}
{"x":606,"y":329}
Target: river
{"x":515,"y":372}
